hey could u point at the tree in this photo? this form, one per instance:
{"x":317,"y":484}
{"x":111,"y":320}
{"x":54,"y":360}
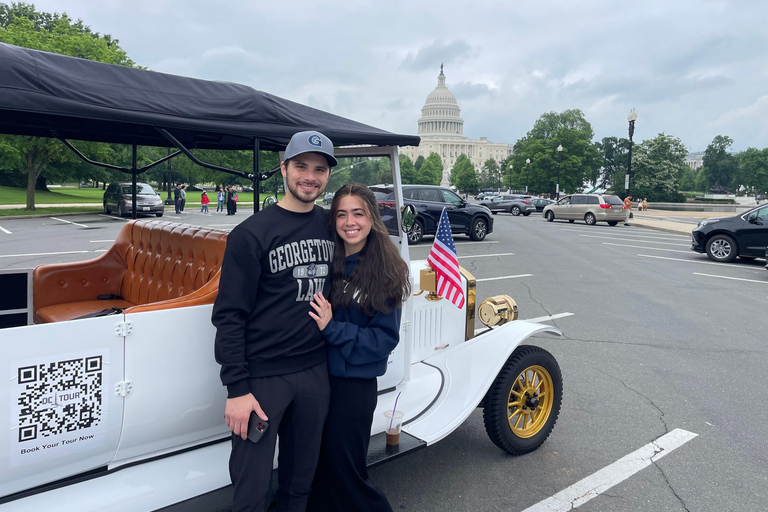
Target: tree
{"x":21,"y":25}
{"x":752,"y":171}
{"x":407,"y":170}
{"x":419,"y":162}
{"x":657,"y":168}
{"x":490,"y":174}
{"x":615,"y":155}
{"x":431,"y":172}
{"x":463,"y":175}
{"x":719,"y":164}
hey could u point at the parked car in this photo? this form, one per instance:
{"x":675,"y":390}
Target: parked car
{"x":725,"y":238}
{"x":540,"y":204}
{"x":328,"y":198}
{"x":466,"y":219}
{"x":515,"y":204}
{"x":591,"y":208}
{"x":117,"y":198}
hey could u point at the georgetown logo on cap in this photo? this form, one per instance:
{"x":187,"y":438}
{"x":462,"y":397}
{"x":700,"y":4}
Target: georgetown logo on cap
{"x":310,"y":142}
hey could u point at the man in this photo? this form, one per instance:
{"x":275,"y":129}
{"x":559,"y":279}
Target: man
{"x":628,"y":206}
{"x":183,"y":197}
{"x":177,"y":198}
{"x":272,"y":355}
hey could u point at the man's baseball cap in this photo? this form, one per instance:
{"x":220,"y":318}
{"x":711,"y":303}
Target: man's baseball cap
{"x":310,"y":142}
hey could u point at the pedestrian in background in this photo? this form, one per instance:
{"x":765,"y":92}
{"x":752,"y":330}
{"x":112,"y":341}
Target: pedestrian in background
{"x":183,"y":197}
{"x":645,"y":204}
{"x":628,"y":206}
{"x":221,"y":197}
{"x":230,"y":201}
{"x":177,"y":198}
{"x":204,"y":201}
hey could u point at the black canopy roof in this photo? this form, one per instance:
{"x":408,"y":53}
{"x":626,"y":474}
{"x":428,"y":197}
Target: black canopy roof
{"x":50,"y":95}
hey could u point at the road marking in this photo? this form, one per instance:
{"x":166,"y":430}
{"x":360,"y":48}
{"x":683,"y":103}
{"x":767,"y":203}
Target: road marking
{"x":734,"y":278}
{"x":488,"y":255}
{"x":100,"y":241}
{"x":647,"y":248}
{"x":631,"y":240}
{"x":69,"y":222}
{"x":730,"y":265}
{"x":42,"y":254}
{"x":599,"y":482}
{"x":112,"y":217}
{"x":5,"y":231}
{"x":633,"y":235}
{"x":503,"y":277}
{"x":550,"y":317}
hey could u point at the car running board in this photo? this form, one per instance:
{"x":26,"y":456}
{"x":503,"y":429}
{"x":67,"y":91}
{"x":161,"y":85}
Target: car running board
{"x":380,"y":452}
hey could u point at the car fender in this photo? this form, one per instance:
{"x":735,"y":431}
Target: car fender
{"x":469,"y":369}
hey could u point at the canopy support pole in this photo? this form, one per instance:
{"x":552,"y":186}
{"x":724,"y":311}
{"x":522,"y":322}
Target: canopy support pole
{"x":192,"y":157}
{"x":115,"y":167}
{"x":134,"y":158}
{"x":256,"y":175}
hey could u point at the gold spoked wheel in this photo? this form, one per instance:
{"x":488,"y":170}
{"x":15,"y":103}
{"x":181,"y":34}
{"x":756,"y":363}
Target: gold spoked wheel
{"x":521,"y":407}
{"x":530,"y":401}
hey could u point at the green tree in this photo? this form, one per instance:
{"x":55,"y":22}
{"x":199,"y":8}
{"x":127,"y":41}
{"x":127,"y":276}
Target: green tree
{"x":490,"y":174}
{"x":419,"y":162}
{"x":719,"y":164}
{"x":752,"y":171}
{"x":657,"y":168}
{"x":407,"y":170}
{"x":22,"y":25}
{"x":615,"y":155}
{"x":687,"y":179}
{"x":431,"y":172}
{"x":463,"y":175}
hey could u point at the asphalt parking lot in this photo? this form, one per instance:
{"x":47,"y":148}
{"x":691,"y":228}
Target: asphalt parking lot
{"x":657,"y":340}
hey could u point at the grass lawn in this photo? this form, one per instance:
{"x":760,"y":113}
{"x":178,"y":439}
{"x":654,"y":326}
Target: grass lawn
{"x":11,"y":195}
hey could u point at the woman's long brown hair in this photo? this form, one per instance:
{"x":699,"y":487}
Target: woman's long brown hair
{"x":380,"y":275}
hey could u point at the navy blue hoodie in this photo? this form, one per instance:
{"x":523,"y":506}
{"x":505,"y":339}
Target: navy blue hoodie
{"x":359,"y":345}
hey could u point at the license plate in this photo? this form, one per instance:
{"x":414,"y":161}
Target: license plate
{"x":146,"y":208}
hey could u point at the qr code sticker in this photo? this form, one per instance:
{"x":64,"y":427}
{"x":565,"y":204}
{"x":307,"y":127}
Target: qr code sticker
{"x":59,"y":397}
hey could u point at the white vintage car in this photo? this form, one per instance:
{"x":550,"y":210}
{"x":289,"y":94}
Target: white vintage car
{"x":111,"y":396}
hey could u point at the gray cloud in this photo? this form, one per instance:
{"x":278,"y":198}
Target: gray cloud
{"x":429,"y":56}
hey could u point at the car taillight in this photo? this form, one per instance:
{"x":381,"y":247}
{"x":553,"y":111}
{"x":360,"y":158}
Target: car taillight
{"x":386,"y":203}
{"x":526,"y":202}
{"x":605,"y":206}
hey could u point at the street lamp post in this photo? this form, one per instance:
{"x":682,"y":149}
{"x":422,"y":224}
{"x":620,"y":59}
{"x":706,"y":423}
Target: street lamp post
{"x":631,"y":118}
{"x":168,"y":200}
{"x":559,"y":159}
{"x":527,"y":166}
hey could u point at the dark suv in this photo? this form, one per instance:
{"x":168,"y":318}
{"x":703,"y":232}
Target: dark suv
{"x":429,"y":201}
{"x":117,"y":198}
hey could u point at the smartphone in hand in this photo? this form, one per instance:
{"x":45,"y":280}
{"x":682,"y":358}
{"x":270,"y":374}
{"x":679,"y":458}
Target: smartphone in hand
{"x":256,"y":427}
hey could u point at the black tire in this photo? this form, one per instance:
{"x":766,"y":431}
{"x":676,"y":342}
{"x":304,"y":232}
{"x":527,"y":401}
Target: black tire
{"x":550,"y":216}
{"x":543,"y":393}
{"x":590,"y":219}
{"x":613,"y":222}
{"x":571,"y":221}
{"x":494,"y":213}
{"x":416,"y":233}
{"x":159,"y":214}
{"x":479,"y":229}
{"x":120,"y":212}
{"x":722,"y":248}
{"x":106,"y":208}
{"x":515,"y":210}
{"x":526,"y":214}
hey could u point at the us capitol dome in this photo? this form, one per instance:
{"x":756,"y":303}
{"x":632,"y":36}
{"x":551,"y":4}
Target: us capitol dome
{"x":441,"y":129}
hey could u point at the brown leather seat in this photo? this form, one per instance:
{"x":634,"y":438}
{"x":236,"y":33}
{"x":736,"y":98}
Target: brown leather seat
{"x":152,"y":265}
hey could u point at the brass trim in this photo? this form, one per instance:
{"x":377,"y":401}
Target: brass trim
{"x":471,"y":297}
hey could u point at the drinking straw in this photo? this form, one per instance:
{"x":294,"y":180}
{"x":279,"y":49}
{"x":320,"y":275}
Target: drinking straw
{"x":393,"y":411}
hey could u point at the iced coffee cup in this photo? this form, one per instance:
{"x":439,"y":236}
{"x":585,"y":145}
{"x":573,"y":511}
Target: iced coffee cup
{"x":395,"y":422}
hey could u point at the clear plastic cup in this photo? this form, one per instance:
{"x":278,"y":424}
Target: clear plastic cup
{"x":394,"y":423}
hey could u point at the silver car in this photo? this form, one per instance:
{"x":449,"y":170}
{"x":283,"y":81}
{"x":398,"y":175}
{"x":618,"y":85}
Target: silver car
{"x":591,"y":208}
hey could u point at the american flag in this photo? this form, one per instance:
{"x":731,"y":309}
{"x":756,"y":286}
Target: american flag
{"x":442,"y":258}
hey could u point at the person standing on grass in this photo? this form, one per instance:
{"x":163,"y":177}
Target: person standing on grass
{"x":274,"y":361}
{"x":204,"y":201}
{"x":221,"y":197}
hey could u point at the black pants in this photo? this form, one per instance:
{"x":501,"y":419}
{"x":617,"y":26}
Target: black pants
{"x":296,"y":405}
{"x":230,"y":207}
{"x":342,"y":482}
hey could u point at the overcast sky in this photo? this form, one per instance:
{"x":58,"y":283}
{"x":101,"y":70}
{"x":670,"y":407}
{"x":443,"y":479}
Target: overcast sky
{"x":693,"y":69}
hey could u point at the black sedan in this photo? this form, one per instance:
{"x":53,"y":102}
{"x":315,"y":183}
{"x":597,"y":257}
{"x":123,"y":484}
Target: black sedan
{"x":541,"y":203}
{"x":723,"y":239}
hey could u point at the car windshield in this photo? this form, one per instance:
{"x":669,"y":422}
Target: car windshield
{"x":613,"y":200}
{"x":140,"y":190}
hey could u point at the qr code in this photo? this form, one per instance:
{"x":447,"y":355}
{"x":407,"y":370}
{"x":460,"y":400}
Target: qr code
{"x":59,"y":397}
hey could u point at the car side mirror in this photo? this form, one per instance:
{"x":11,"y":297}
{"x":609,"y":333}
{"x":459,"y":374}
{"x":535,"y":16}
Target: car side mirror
{"x":409,"y":217}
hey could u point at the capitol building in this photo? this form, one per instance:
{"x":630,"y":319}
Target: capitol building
{"x":441,"y":129}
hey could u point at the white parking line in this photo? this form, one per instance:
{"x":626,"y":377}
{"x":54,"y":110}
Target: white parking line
{"x":488,"y":255}
{"x":631,"y":240}
{"x":633,"y":234}
{"x":100,"y":241}
{"x":647,"y":248}
{"x":69,"y":222}
{"x":599,"y":482}
{"x":733,"y":278}
{"x":5,"y":231}
{"x":730,"y":265}
{"x":503,"y":277}
{"x":112,"y":217}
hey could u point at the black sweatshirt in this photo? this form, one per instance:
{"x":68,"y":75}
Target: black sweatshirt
{"x":274,"y":262}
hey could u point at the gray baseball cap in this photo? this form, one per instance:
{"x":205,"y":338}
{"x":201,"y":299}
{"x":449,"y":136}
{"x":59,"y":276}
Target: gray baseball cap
{"x":310,"y":142}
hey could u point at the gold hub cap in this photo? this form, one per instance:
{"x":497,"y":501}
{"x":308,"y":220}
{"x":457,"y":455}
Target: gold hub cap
{"x":530,"y":401}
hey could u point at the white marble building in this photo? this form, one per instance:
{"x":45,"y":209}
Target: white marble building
{"x":441,"y":129}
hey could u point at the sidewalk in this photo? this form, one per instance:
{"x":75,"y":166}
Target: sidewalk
{"x":681,"y":223}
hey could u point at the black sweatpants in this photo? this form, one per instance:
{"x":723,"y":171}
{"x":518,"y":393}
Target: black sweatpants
{"x":296,"y":405}
{"x":341,"y":482}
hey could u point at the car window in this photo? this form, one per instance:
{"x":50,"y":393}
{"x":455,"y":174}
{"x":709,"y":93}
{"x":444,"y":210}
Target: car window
{"x":140,"y":189}
{"x":565,"y":200}
{"x":380,"y":196}
{"x":762,"y":213}
{"x":613,"y":200}
{"x":593,"y":200}
{"x":431,"y":194}
{"x":412,"y":194}
{"x":450,"y":197}
{"x":497,"y":199}
{"x":579,"y":200}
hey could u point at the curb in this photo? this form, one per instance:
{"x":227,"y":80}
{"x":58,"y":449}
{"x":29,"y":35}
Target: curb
{"x":659,"y":228}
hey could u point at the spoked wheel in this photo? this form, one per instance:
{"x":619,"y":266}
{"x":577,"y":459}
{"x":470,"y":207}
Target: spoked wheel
{"x":515,"y":211}
{"x":550,"y":216}
{"x":722,"y":248}
{"x":590,"y":219}
{"x":522,"y":406}
{"x":416,"y":233}
{"x":479,"y":230}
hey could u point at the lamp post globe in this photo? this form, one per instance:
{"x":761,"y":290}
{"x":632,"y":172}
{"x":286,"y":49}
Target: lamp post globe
{"x":559,"y":159}
{"x":527,"y":166}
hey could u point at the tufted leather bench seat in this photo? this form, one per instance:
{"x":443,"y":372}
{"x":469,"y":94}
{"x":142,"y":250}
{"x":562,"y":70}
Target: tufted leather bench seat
{"x":152,"y":265}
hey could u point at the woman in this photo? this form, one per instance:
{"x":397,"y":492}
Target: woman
{"x":370,"y":282}
{"x":220,"y":198}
